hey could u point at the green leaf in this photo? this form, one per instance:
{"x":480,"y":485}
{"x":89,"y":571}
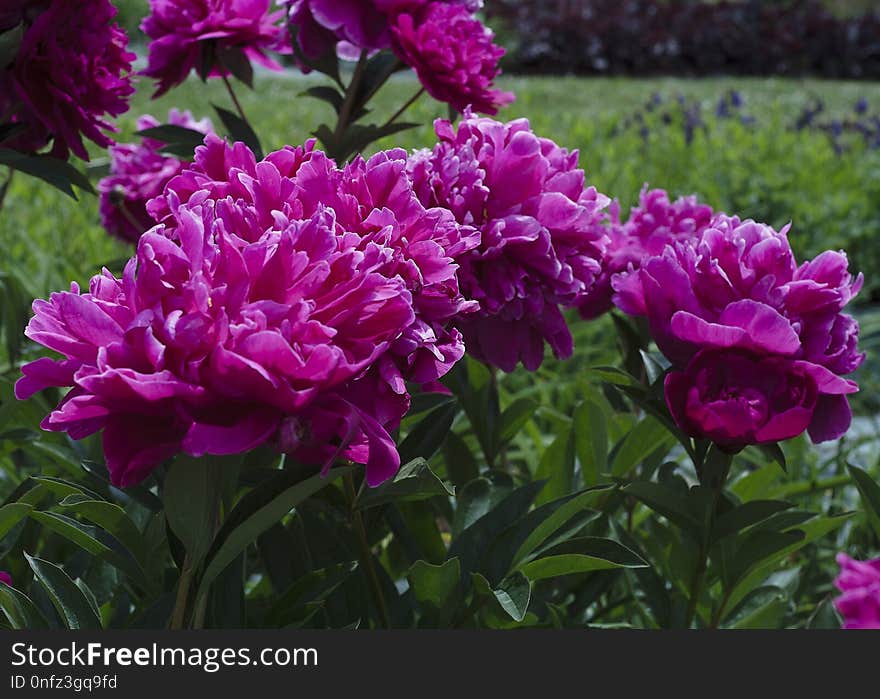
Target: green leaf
{"x":746,"y":515}
{"x":514,"y":418}
{"x":236,"y":62}
{"x":12,"y":514}
{"x":376,"y":73}
{"x":667,"y":502}
{"x":357,"y":137}
{"x":240,"y":130}
{"x":775,"y":454}
{"x":328,"y":63}
{"x":414,"y":481}
{"x":479,"y":496}
{"x":58,"y":173}
{"x":68,"y":599}
{"x":513,"y":594}
{"x":475,"y":540}
{"x":437,"y":588}
{"x":756,"y":549}
{"x":428,"y":436}
{"x":557,"y":467}
{"x":870,"y":492}
{"x":110,"y":517}
{"x":590,"y":440}
{"x":648,"y":437}
{"x":765,"y":608}
{"x":540,"y":524}
{"x":21,"y":612}
{"x":256,"y":512}
{"x":461,"y":466}
{"x":825,"y":616}
{"x":582,"y":555}
{"x":191,"y":495}
{"x":326,"y":93}
{"x":308,"y":594}
{"x":172,"y":134}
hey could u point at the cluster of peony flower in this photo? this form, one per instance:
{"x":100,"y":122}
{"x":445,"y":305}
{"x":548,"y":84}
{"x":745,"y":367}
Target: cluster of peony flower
{"x":211,"y":36}
{"x":859,"y":581}
{"x":69,"y":72}
{"x":139,"y":173}
{"x":285,"y":301}
{"x":5,"y":578}
{"x":652,"y":225}
{"x":542,"y":234}
{"x":759,"y":345}
{"x":450,"y":49}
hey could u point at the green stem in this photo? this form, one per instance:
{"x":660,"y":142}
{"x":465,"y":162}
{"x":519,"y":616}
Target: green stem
{"x":178,"y":616}
{"x":409,"y":103}
{"x":348,"y":103}
{"x":366,"y":555}
{"x":719,"y":613}
{"x":713,"y":472}
{"x":234,"y":98}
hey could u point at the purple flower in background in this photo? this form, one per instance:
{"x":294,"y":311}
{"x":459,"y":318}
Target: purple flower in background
{"x":5,"y":578}
{"x":71,"y":72}
{"x":453,"y":54}
{"x":138,"y":173}
{"x":652,"y":225}
{"x":211,"y":36}
{"x":859,"y":583}
{"x":737,"y":289}
{"x":542,"y":234}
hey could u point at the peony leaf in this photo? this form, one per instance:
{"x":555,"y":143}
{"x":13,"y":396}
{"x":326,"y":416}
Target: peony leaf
{"x":256,"y":512}
{"x":414,"y":481}
{"x":68,"y":599}
{"x":240,"y":130}
{"x":870,"y":492}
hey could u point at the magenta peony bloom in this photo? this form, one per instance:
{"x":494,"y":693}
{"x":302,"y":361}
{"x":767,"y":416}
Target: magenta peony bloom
{"x":737,"y":287}
{"x":542,"y":234}
{"x":281,"y":301}
{"x":859,"y":581}
{"x":652,"y":225}
{"x":734,"y":398}
{"x":139,"y":173}
{"x":210,"y":35}
{"x":453,"y":55}
{"x":70,"y":73}
{"x":5,"y":578}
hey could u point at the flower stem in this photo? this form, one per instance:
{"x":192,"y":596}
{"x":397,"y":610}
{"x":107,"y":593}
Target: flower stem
{"x":366,"y":555}
{"x":713,"y":472}
{"x":409,"y":103}
{"x":348,"y":104}
{"x":178,"y":616}
{"x":234,"y":98}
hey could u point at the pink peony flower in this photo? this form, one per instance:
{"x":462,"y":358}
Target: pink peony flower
{"x":5,"y":578}
{"x":453,"y":55}
{"x":736,"y":288}
{"x":541,"y":227}
{"x":859,"y":581}
{"x":70,"y":73}
{"x":139,"y":173}
{"x":209,"y":35}
{"x":284,"y":301}
{"x":652,"y":225}
{"x":735,"y":398}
